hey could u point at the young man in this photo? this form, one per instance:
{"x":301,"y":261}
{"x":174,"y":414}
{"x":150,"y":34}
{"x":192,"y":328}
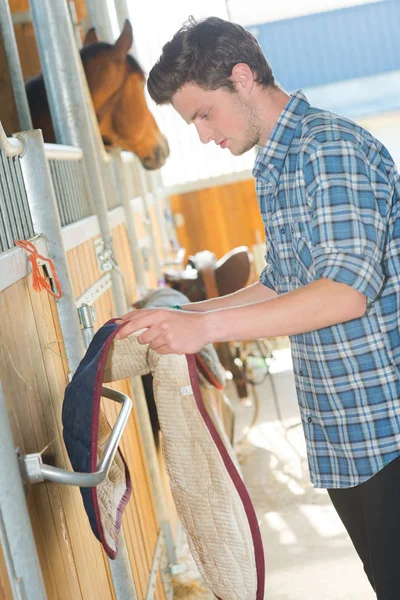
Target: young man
{"x":329,"y":196}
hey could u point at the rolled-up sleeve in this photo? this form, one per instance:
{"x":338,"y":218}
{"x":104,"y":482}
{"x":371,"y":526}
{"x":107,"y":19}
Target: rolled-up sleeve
{"x":348,"y":228}
{"x":266,"y":277}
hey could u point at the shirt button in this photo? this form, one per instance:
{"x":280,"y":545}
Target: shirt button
{"x":283,"y":230}
{"x":301,"y":373}
{"x":309,"y":419}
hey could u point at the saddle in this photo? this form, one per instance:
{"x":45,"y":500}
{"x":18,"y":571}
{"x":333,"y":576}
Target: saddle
{"x":205,"y":277}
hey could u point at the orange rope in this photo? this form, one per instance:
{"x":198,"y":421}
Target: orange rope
{"x":39,"y":282}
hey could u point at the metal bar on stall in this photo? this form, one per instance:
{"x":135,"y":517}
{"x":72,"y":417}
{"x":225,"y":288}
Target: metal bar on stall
{"x":16,"y":536}
{"x":158,"y":192}
{"x":136,"y":254}
{"x":121,"y":6}
{"x":104,"y":19}
{"x":72,"y":110}
{"x":144,"y":192}
{"x":14,"y":65}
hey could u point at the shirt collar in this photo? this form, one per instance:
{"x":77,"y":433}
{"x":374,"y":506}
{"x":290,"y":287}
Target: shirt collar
{"x":270,"y":158}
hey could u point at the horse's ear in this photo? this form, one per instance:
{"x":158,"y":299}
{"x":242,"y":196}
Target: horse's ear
{"x":125,"y":40}
{"x":90,"y":37}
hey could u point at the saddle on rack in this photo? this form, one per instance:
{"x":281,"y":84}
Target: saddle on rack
{"x":206,"y":277}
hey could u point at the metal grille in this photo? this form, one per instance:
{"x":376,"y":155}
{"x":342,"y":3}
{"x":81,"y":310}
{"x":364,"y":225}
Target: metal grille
{"x":15,"y":218}
{"x":71,"y":190}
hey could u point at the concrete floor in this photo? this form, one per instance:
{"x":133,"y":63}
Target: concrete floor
{"x":308,"y":553}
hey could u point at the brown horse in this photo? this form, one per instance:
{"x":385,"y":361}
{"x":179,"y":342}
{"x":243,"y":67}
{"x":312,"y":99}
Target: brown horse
{"x":116,"y":83}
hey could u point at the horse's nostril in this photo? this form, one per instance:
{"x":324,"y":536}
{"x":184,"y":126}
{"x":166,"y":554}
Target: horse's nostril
{"x":157,"y":154}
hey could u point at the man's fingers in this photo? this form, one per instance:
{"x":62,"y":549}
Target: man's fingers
{"x":128,"y":316}
{"x":129,"y":327}
{"x":151,"y":334}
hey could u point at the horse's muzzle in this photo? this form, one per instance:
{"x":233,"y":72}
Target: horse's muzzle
{"x":158,"y":157}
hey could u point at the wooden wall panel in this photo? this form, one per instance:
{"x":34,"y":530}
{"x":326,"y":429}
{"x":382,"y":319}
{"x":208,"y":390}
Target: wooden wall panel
{"x":33,"y":377}
{"x":124,"y":261}
{"x":33,"y":371}
{"x":218,"y":219}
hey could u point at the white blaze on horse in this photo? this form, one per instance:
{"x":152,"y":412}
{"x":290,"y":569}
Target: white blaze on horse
{"x":116,"y":83}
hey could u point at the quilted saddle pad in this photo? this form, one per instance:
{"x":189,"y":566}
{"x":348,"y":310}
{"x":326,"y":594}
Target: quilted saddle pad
{"x":85,"y":432}
{"x":211,"y":499}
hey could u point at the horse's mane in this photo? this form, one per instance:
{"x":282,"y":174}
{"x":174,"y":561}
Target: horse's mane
{"x":93,"y":50}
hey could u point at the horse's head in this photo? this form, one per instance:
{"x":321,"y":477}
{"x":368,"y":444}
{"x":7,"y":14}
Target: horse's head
{"x":116,"y":82}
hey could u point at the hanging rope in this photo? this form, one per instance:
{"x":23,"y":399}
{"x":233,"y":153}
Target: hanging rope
{"x":38,"y":280}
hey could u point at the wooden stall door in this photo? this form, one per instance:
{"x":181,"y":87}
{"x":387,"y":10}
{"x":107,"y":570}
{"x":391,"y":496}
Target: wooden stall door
{"x":33,"y":374}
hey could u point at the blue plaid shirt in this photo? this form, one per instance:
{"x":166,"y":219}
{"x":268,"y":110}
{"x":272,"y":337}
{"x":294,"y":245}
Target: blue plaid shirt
{"x":329,"y":197}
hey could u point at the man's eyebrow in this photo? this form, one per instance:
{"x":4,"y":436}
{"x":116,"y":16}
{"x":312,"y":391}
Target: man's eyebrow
{"x":195,"y":115}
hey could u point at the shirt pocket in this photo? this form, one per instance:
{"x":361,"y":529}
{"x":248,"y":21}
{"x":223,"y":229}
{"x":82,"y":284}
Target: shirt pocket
{"x":301,"y":244}
{"x":280,"y":254}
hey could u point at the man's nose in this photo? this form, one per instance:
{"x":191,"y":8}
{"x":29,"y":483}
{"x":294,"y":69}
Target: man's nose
{"x":205,"y":133}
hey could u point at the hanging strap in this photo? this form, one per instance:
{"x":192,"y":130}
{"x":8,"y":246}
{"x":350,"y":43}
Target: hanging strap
{"x":38,"y":281}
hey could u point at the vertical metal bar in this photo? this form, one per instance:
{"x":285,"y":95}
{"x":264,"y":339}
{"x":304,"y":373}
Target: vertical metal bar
{"x":22,"y":199}
{"x":84,"y":186}
{"x":71,"y":108}
{"x":103,"y":19}
{"x":3,"y":221}
{"x":143,"y":192}
{"x":122,"y":10}
{"x":57,"y":191}
{"x":17,"y":200}
{"x":21,"y":187}
{"x":157,"y":191}
{"x":4,"y":206}
{"x":74,"y":19}
{"x":16,"y":536}
{"x":74,"y":182}
{"x":14,"y":65}
{"x":67,"y":192}
{"x":9,"y":197}
{"x":47,"y":222}
{"x":136,"y":254}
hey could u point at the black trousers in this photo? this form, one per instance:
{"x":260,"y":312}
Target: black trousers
{"x":371,"y":514}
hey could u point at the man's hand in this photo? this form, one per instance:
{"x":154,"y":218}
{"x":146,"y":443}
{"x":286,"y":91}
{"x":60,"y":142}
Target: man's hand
{"x":168,"y":331}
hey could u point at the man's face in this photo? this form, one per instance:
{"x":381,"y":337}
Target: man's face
{"x":220,"y":116}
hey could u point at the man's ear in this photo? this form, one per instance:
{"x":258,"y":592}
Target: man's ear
{"x":242,"y":77}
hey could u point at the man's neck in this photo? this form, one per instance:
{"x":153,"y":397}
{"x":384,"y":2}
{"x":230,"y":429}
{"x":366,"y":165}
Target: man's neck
{"x":269,"y":104}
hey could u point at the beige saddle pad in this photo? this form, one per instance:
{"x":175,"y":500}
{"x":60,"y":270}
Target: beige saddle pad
{"x":211,"y":500}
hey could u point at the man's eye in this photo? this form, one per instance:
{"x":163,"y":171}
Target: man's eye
{"x":205,"y":116}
